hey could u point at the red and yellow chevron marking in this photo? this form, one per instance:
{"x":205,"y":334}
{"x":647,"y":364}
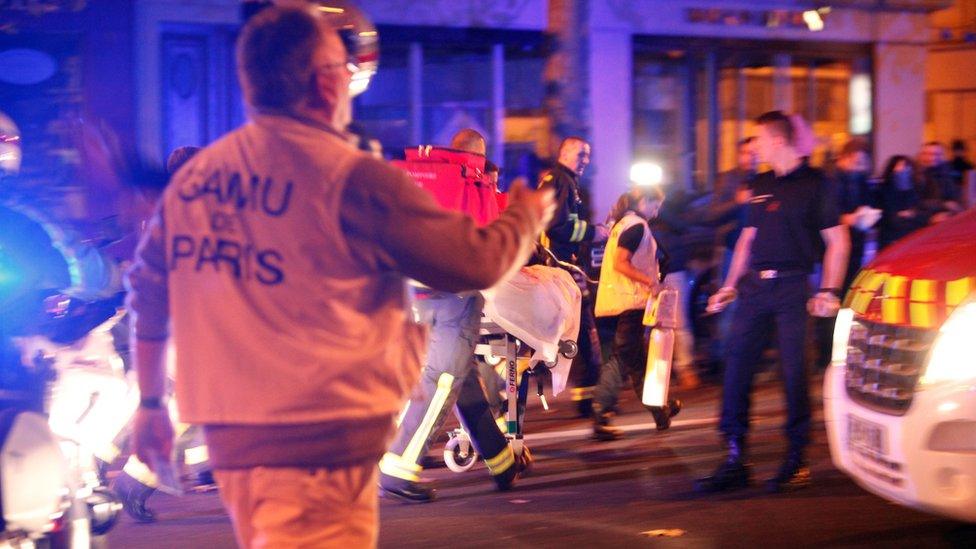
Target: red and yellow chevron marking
{"x":895,"y":299}
{"x":958,"y":290}
{"x":864,"y":293}
{"x":923,"y":307}
{"x":893,"y":305}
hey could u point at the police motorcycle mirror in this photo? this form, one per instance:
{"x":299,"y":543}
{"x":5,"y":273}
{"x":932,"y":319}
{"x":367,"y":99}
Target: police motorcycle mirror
{"x":10,"y":152}
{"x":360,"y":38}
{"x":356,"y":30}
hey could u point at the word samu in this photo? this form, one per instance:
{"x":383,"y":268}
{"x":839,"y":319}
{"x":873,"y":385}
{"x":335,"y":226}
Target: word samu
{"x":244,"y":193}
{"x":221,"y":251}
{"x":240,"y":260}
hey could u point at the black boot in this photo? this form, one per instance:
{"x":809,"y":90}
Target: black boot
{"x":603,"y":430}
{"x":134,"y":495}
{"x":733,"y":474}
{"x":405,"y":490}
{"x":505,"y":480}
{"x":792,"y":475}
{"x":204,"y":481}
{"x":663,"y":414}
{"x":524,"y":462}
{"x":584,"y":408}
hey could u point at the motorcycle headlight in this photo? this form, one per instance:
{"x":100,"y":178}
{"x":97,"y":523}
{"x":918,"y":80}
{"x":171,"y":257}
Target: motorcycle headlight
{"x":953,"y":357}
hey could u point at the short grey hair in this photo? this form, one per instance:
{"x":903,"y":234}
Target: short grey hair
{"x":274,"y":56}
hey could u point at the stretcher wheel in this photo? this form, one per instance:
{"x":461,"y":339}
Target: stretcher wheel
{"x":568,"y":348}
{"x":104,"y":508}
{"x":459,"y":455}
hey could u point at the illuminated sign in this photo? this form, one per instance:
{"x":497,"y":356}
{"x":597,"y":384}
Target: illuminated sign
{"x":812,"y":20}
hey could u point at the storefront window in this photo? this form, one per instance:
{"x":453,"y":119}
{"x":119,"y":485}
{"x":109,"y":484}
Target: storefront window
{"x":692,"y":106}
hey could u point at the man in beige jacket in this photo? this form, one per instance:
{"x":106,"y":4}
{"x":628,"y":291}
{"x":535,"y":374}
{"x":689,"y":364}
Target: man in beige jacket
{"x":277,"y":263}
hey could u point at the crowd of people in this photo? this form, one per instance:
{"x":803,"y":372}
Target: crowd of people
{"x":283,"y":265}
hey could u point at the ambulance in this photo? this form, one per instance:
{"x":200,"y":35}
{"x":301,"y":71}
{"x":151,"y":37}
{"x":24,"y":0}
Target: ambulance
{"x":900,"y":393}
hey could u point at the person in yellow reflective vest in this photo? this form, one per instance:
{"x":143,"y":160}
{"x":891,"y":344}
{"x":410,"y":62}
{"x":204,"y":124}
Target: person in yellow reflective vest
{"x":629,"y":277}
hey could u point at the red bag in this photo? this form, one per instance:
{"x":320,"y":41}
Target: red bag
{"x":456,"y":179}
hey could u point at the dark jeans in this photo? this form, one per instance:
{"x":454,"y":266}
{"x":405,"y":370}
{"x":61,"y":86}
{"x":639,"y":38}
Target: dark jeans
{"x":628,"y":357}
{"x":763,"y":304}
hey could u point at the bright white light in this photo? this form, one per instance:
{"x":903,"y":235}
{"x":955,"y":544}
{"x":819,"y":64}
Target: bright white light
{"x":646,"y":173}
{"x":813,"y":20}
{"x":952,"y":354}
{"x":859,"y":92}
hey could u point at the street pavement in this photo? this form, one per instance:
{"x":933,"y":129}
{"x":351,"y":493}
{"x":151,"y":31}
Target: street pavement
{"x":634,"y":492}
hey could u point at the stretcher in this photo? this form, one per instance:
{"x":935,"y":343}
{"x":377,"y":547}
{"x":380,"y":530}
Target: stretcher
{"x":528,"y":329}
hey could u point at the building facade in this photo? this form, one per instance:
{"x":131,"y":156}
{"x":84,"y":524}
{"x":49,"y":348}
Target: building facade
{"x":675,"y":82}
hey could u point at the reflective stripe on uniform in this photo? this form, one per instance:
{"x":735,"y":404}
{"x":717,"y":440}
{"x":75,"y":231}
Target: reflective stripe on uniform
{"x":581,"y":393}
{"x":544,"y":240}
{"x":395,"y":466}
{"x":139,"y":471}
{"x":500,"y":463}
{"x":444,"y":383}
{"x":196,"y":455}
{"x":579,"y":230}
{"x":502,"y":424}
{"x":403,"y":414}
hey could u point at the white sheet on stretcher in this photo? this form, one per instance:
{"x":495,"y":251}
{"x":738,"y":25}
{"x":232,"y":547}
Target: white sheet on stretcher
{"x":540,"y":306}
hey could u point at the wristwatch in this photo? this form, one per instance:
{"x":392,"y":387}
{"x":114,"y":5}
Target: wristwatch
{"x":836,"y":291}
{"x":152,"y":403}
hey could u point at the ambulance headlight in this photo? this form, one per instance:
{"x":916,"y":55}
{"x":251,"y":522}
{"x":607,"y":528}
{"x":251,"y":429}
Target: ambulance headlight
{"x":953,"y":357}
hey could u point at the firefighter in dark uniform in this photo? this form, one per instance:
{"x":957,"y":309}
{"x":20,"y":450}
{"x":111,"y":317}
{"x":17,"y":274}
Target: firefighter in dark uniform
{"x":567,"y":231}
{"x":792,"y":207}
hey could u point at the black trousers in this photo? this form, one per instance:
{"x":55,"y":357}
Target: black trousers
{"x":590,"y":353}
{"x":628,"y":358}
{"x":762,"y":305}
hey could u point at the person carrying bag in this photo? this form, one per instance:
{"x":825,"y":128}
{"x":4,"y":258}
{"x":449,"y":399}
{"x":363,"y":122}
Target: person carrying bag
{"x":629,"y":279}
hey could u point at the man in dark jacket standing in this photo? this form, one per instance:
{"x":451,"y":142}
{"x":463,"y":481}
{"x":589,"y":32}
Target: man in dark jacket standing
{"x":791,"y":209}
{"x":565,"y":235}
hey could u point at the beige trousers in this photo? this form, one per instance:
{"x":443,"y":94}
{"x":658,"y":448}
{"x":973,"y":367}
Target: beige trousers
{"x":285,"y":507}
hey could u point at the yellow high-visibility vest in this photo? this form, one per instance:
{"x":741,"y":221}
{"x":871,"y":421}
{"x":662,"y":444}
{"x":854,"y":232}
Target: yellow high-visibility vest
{"x":618,"y":293}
